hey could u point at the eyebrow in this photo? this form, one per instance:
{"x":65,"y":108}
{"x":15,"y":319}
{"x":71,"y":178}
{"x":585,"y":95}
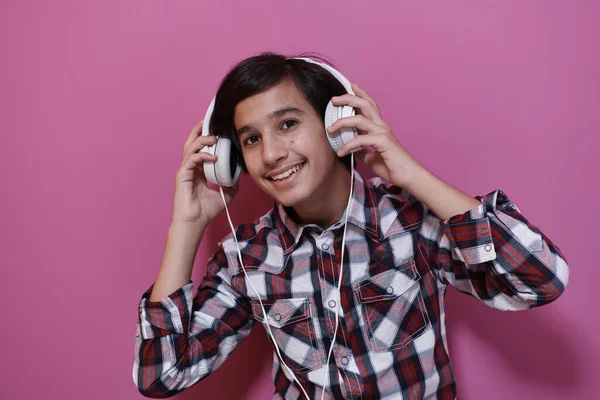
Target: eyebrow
{"x":273,"y":115}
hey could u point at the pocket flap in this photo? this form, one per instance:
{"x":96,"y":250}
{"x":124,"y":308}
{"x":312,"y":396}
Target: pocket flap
{"x":389,"y":284}
{"x":282,"y":312}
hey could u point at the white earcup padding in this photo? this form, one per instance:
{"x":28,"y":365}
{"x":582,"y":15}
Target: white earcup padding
{"x":218,"y":173}
{"x":222,"y":168}
{"x":344,"y":135}
{"x":209,"y":166}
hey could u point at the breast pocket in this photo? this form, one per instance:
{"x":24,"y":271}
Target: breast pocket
{"x":392,"y":307}
{"x":293,"y":329}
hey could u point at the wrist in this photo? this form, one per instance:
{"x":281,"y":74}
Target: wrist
{"x":416,"y":177}
{"x":185,"y":234}
{"x":187,"y":225}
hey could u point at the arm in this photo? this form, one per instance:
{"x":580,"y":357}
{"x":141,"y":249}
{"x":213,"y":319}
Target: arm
{"x":182,"y":338}
{"x":485,"y":247}
{"x":481,"y":246}
{"x":178,"y":259}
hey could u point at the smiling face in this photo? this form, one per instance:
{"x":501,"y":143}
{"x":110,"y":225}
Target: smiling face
{"x":285,"y":147}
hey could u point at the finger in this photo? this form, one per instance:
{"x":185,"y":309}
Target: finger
{"x":365,"y":106}
{"x":194,"y":133}
{"x":363,"y":141}
{"x":199,"y":144}
{"x":359,"y":122}
{"x":195,"y":160}
{"x":363,"y":93}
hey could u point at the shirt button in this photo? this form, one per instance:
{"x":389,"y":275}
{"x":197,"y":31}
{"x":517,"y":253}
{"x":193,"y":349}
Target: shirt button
{"x":390,"y":290}
{"x":332,"y":303}
{"x":277,"y":317}
{"x":484,"y":231}
{"x":488,"y":247}
{"x":345,"y":360}
{"x":325,"y":246}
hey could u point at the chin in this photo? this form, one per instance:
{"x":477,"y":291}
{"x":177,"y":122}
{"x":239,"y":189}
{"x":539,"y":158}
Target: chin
{"x":289,"y":199}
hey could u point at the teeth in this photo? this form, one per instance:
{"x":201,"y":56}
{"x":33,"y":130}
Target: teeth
{"x":286,"y":173}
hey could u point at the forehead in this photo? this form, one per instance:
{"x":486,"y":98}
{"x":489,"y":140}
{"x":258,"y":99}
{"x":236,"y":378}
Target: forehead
{"x":256,"y":108}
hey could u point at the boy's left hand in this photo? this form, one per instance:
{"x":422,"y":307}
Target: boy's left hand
{"x":389,"y":160}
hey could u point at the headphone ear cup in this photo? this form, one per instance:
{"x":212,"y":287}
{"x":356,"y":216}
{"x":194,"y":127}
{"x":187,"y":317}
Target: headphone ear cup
{"x":223,"y":172}
{"x":219,"y":172}
{"x":208,"y":166}
{"x":338,"y":139}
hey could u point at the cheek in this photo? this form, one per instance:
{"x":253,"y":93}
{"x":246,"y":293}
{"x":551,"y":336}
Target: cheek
{"x":251,"y":162}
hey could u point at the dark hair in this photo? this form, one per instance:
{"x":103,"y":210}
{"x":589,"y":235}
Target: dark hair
{"x":259,"y":73}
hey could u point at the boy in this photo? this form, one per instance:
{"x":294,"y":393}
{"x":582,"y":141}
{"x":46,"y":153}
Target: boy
{"x":409,"y":235}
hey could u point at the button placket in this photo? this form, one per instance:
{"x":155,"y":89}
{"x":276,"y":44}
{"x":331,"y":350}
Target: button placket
{"x":333,"y":301}
{"x":325,"y":241}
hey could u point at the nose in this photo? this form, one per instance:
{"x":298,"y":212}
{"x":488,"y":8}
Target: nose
{"x":273,"y":149}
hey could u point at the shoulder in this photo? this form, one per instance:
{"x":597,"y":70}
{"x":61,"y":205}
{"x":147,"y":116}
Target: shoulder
{"x":398,"y":209}
{"x":383,"y":189}
{"x":252,"y":231}
{"x":257,"y":241}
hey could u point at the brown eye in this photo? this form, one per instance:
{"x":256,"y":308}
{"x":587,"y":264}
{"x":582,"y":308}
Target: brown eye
{"x":289,"y":123}
{"x":251,"y":140}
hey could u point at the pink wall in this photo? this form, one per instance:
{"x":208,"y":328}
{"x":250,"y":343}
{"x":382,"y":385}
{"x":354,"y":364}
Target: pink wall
{"x":97,"y":99}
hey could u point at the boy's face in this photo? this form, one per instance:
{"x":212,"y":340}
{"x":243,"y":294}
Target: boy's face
{"x":284,"y":145}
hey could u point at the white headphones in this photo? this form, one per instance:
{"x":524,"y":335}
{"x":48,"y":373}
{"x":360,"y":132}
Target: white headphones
{"x":220,"y":172}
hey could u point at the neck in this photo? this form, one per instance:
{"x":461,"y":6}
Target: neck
{"x":328,"y":203}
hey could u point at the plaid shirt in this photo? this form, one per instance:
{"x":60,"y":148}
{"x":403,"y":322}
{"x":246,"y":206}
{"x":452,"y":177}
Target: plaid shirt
{"x":391,"y":340}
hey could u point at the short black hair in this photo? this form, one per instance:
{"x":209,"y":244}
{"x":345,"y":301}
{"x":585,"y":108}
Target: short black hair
{"x":259,"y":73}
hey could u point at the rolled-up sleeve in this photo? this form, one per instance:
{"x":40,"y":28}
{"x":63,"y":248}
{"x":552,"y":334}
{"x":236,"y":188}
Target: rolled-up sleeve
{"x":495,"y":254}
{"x":183,"y":338}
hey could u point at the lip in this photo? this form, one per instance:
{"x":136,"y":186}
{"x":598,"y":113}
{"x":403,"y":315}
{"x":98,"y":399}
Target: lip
{"x":289,"y":180}
{"x":282,"y":170}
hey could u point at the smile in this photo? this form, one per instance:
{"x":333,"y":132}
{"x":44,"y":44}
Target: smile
{"x":286,"y":174}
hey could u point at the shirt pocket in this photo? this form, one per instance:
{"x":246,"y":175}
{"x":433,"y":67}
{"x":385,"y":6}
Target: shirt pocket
{"x":293,"y":329}
{"x":393,"y":311}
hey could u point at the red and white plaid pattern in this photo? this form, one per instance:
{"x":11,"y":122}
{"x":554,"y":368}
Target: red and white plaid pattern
{"x":399,"y":259}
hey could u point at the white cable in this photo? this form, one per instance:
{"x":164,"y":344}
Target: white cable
{"x":338,"y":286}
{"x":339,"y":297}
{"x":258,"y":296}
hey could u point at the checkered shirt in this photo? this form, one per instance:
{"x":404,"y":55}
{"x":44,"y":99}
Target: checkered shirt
{"x":398,"y":261}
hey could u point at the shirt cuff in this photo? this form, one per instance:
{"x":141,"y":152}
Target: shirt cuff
{"x":167,"y":316}
{"x":470,"y":234}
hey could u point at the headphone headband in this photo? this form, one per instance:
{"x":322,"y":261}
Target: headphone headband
{"x":337,"y":74}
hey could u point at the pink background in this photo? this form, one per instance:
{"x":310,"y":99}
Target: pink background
{"x":97,"y":99}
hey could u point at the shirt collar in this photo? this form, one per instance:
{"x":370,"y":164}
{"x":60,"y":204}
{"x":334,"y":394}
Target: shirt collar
{"x":364,"y":214}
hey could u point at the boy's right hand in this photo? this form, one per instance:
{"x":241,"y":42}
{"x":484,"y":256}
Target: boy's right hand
{"x":194,"y":201}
